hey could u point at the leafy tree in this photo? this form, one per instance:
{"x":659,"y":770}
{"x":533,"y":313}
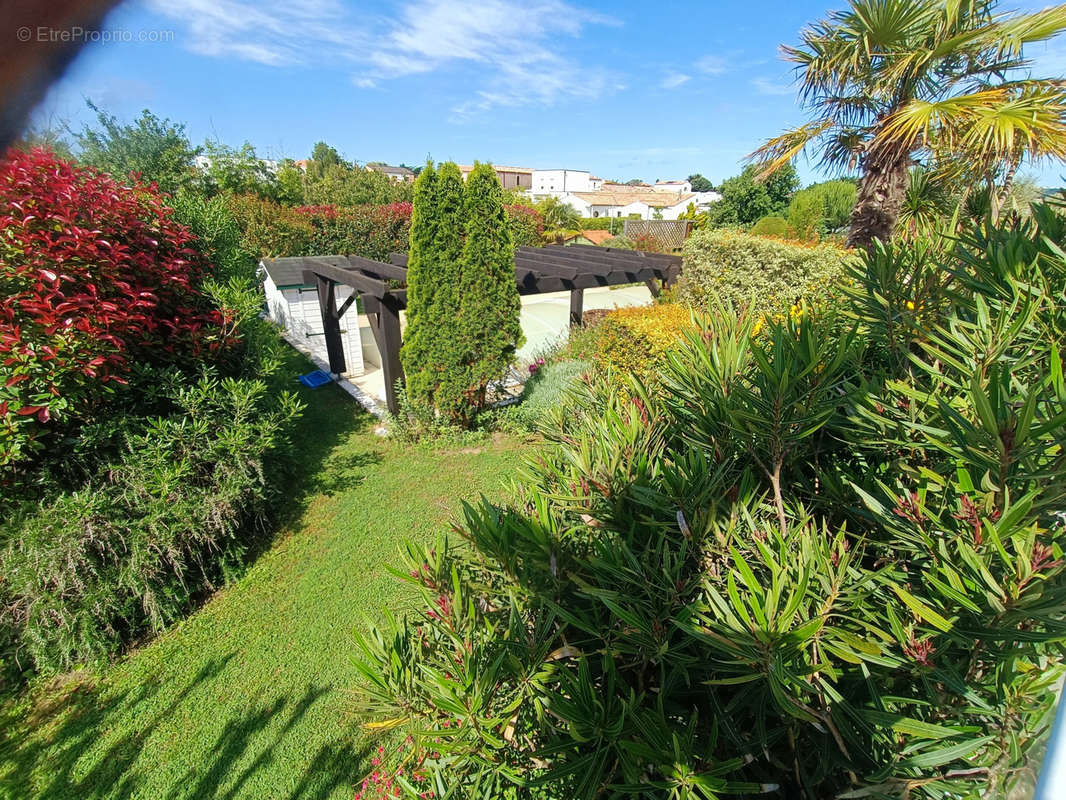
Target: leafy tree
{"x":341,"y":185}
{"x":806,"y":215}
{"x":700,"y":183}
{"x":238,"y":170}
{"x":746,"y":200}
{"x":889,"y":80}
{"x":322,"y":158}
{"x":156,"y":149}
{"x":51,"y":135}
{"x":489,"y":305}
{"x":634,"y":182}
{"x":837,"y":199}
{"x":290,"y":183}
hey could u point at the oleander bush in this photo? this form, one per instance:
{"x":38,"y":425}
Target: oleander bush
{"x":169,"y":518}
{"x":761,"y":274}
{"x":824,"y":561}
{"x":142,"y":431}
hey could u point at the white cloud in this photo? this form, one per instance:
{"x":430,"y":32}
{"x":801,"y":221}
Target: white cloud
{"x":675,"y":79}
{"x":520,"y":46}
{"x":712,"y":65}
{"x":272,"y":32}
{"x":771,"y":87}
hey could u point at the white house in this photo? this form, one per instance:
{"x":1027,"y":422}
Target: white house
{"x":637,"y":201}
{"x":293,"y":304}
{"x":682,"y":187}
{"x":557,"y":182}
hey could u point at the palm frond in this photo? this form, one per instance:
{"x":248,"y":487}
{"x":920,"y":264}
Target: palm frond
{"x":988,"y":125}
{"x":782,"y":149}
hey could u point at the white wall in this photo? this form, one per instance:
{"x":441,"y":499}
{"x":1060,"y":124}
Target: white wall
{"x":296,"y":310}
{"x":560,"y":181}
{"x":582,"y":206}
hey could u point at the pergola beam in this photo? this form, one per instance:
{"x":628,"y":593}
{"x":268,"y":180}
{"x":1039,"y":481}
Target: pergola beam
{"x":537,"y":271}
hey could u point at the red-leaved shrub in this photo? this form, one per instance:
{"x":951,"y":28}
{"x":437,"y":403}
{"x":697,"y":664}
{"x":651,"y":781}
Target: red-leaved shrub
{"x":527,"y":226}
{"x":94,"y":276}
{"x":368,"y":231}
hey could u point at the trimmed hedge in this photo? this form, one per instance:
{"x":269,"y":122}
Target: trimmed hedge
{"x":271,"y":230}
{"x":371,"y":231}
{"x":759,"y":273}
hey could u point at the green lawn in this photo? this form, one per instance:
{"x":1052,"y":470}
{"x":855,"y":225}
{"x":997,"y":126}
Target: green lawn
{"x":250,"y":696}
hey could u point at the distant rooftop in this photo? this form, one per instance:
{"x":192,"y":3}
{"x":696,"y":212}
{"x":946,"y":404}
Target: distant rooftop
{"x":465,"y":168}
{"x":389,"y":170}
{"x":618,"y":197}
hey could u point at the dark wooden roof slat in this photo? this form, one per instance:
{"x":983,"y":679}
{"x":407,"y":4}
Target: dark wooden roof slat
{"x":358,"y":281}
{"x":589,"y":249}
{"x":600,"y":264}
{"x":390,"y":271}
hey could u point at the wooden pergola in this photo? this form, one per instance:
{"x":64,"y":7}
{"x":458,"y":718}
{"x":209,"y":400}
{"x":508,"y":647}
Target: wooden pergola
{"x":538,"y":270}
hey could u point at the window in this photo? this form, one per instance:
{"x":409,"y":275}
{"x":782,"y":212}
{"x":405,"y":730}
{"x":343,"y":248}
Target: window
{"x":595,"y":213}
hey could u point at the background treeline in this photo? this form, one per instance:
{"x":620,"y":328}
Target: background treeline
{"x":323,"y":205}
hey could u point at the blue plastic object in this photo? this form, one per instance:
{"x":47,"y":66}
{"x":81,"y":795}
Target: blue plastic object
{"x":312,"y":380}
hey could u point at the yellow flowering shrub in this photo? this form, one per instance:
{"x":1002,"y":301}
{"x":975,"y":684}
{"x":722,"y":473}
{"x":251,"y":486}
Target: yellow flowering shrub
{"x":631,"y":341}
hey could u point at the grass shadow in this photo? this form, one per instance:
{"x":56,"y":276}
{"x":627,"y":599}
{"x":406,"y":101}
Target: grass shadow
{"x":71,"y":718}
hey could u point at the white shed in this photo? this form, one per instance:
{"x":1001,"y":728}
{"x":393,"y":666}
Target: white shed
{"x":293,"y":304}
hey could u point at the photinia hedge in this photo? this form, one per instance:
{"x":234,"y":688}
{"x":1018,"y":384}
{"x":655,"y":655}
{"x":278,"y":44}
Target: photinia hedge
{"x":95,"y":276}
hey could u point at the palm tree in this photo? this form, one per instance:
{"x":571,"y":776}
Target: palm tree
{"x":559,"y":217}
{"x":892,"y":81}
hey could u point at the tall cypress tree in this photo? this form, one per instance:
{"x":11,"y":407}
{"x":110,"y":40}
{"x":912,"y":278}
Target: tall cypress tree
{"x":422,"y":281}
{"x":430,"y":355}
{"x":489,"y":305}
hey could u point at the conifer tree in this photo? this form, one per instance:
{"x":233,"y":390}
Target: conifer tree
{"x":431,"y":353}
{"x":488,"y":322}
{"x":421,"y":285}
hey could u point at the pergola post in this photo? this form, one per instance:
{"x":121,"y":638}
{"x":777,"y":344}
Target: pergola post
{"x":331,"y":324}
{"x":577,"y":300}
{"x":391,"y":368}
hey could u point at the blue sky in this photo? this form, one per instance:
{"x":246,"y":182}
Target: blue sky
{"x":625,"y":89}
